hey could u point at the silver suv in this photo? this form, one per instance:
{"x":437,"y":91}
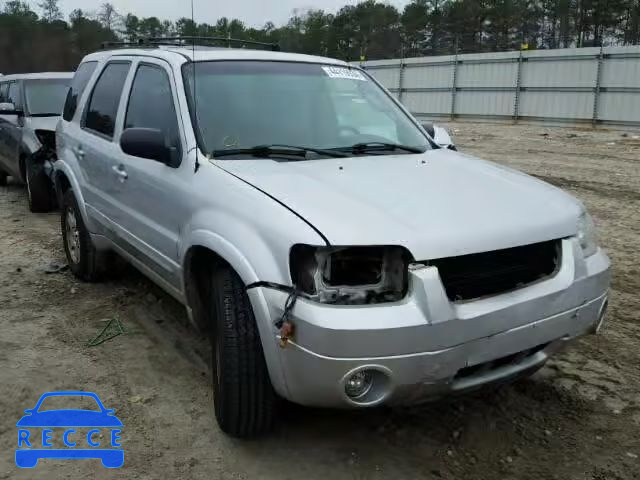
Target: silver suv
{"x":30,"y":106}
{"x":336,"y":254}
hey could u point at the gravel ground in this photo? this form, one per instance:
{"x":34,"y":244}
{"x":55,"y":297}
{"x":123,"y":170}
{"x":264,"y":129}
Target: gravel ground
{"x":578,"y":418}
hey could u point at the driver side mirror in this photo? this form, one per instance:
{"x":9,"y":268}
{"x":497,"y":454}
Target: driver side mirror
{"x":440,"y":135}
{"x":9,"y":108}
{"x":147,"y":143}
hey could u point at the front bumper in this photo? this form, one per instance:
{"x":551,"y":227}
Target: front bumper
{"x":427,"y":346}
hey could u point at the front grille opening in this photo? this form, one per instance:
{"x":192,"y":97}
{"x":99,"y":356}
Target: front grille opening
{"x":470,"y":277}
{"x":487,"y":367}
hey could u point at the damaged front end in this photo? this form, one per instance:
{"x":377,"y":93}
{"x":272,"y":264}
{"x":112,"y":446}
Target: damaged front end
{"x":41,"y":161}
{"x":39,"y":172}
{"x":47,"y":150}
{"x":350,"y":275}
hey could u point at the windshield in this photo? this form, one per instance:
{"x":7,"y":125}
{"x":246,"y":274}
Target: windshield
{"x":46,"y":97}
{"x":69,"y":402}
{"x":247,"y":104}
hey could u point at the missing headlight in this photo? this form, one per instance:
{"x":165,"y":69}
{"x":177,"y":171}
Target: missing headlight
{"x":350,"y":275}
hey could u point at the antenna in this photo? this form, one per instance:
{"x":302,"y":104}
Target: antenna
{"x":195,"y":98}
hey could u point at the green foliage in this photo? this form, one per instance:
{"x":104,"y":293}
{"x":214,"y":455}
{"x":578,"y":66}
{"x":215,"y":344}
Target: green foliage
{"x":370,"y":29}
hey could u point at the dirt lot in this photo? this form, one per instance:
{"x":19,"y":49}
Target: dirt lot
{"x":579,"y":418}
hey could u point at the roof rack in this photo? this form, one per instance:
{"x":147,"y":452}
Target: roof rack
{"x":187,"y":41}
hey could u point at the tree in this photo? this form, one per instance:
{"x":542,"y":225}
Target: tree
{"x":87,"y":34}
{"x":372,"y":29}
{"x":131,"y":25}
{"x":108,"y":16}
{"x":465,"y":22}
{"x":19,"y":9}
{"x":186,"y":27}
{"x":50,"y":10}
{"x":368,"y":30}
{"x":151,"y":27}
{"x":415,"y":24}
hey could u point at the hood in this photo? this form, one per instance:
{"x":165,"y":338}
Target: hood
{"x":69,"y":418}
{"x":438,"y":204}
{"x":43,"y":123}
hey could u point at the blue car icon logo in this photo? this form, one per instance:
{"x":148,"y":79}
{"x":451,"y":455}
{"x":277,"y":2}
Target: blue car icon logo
{"x":105,"y":429}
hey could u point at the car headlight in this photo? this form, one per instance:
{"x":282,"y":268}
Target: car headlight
{"x":587,"y":235}
{"x":350,"y":275}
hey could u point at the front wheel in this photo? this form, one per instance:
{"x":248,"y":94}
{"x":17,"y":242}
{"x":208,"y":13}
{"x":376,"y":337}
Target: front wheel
{"x":84,"y":260}
{"x":244,"y":399}
{"x":3,"y":178}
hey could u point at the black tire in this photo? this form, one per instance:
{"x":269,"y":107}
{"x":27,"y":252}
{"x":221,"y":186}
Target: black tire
{"x":84,"y":260}
{"x":39,"y":188}
{"x":244,"y":399}
{"x":3,"y":178}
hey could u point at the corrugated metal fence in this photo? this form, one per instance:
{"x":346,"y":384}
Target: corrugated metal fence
{"x":586,"y":85}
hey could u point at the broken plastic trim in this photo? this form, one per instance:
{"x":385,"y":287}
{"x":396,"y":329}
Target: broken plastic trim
{"x":47,"y":138}
{"x":275,"y":286}
{"x":283,"y":324}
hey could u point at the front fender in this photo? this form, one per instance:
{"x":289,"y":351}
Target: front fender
{"x":256,"y":253}
{"x":223,"y":248}
{"x":255,"y":257}
{"x":30,"y":143}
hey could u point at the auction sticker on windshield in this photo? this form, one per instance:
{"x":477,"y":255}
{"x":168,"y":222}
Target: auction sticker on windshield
{"x":348,"y":73}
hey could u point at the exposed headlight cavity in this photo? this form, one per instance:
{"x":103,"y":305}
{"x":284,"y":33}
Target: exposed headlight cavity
{"x":587,"y":235}
{"x":350,"y":275}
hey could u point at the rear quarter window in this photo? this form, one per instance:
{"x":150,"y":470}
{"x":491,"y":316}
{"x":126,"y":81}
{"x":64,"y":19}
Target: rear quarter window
{"x":78,"y":85}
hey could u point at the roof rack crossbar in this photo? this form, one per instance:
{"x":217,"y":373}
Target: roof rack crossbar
{"x":154,"y":42}
{"x":136,"y":43}
{"x":190,"y":40}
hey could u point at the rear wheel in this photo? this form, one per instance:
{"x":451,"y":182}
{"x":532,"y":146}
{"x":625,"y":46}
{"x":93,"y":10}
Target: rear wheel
{"x":245,"y":402}
{"x":39,"y":188}
{"x":84,"y":260}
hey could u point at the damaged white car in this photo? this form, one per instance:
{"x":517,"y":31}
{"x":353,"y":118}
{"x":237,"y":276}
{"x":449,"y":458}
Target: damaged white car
{"x":30,"y":107}
{"x":337,"y":255}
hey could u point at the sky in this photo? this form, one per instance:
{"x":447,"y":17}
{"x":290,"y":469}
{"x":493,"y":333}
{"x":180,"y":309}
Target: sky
{"x":252,"y":12}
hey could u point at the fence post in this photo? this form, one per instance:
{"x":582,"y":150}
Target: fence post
{"x":516,"y":103}
{"x":454,"y":83}
{"x":596,"y":92}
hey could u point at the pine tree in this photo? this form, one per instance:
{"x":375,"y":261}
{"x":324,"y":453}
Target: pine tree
{"x":50,"y":10}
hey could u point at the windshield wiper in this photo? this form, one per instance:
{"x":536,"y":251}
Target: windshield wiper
{"x":360,"y":148}
{"x":45,"y":115}
{"x":265,"y":151}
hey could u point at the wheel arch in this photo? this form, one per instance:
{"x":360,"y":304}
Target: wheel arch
{"x":199,"y":259}
{"x":205,"y":252}
{"x":63,"y":180}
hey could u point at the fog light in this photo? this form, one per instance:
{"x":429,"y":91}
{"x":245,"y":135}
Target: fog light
{"x":358,"y":384}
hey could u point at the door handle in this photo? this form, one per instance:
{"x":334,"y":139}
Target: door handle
{"x":120,"y":172}
{"x":79,"y":152}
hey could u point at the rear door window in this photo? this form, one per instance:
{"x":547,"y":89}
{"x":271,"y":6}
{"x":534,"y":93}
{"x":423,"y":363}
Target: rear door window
{"x":79,"y":83}
{"x":102,"y":109}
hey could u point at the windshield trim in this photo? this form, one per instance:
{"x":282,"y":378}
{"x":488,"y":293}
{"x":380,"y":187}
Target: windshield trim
{"x":192,"y":111}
